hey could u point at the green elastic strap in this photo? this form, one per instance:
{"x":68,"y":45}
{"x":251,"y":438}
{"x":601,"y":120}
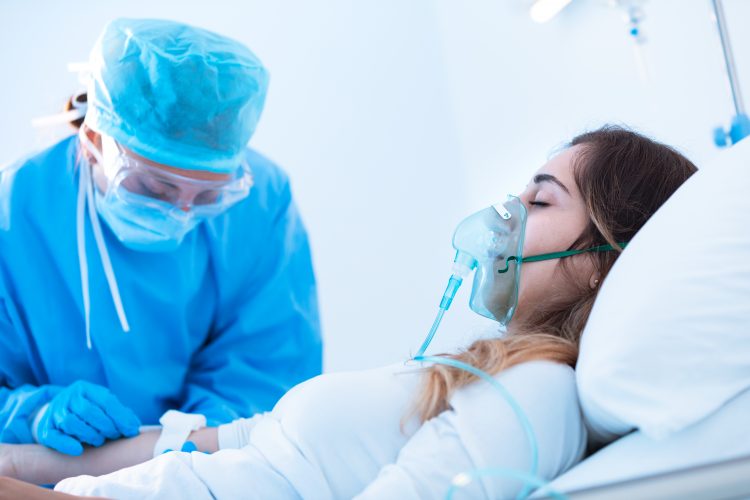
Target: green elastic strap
{"x":560,"y":255}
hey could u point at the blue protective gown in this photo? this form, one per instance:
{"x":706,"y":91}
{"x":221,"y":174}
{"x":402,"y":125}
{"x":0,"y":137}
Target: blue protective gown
{"x":223,"y":326}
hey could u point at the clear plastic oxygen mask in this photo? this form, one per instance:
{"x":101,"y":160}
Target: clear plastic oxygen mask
{"x":490,"y":243}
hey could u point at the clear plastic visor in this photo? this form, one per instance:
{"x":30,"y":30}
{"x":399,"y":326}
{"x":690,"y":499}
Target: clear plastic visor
{"x":127,"y":175}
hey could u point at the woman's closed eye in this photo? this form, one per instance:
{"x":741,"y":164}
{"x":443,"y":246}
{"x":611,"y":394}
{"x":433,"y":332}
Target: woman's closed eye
{"x":539,"y":203}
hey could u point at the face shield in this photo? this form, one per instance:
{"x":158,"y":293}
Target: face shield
{"x":152,"y":209}
{"x":132,"y":180}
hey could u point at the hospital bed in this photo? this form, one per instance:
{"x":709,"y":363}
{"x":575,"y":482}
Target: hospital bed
{"x":709,"y":460}
{"x":727,"y":479}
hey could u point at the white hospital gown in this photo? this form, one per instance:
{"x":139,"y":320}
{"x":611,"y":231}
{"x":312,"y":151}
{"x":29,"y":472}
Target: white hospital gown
{"x":340,"y":435}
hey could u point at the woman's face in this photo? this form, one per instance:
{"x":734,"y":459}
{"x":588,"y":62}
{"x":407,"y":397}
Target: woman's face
{"x":557,"y":216}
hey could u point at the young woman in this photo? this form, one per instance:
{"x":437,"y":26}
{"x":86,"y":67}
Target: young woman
{"x":406,"y":431}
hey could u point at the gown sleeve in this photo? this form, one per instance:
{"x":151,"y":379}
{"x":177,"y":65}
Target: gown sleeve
{"x":19,"y":403}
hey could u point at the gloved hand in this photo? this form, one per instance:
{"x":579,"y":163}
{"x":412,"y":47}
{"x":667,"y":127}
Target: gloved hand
{"x":84,"y":413}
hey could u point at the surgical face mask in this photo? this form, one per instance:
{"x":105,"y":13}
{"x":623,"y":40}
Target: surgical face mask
{"x":141,"y":227}
{"x":151,"y":209}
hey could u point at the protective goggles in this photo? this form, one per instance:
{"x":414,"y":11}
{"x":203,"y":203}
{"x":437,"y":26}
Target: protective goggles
{"x":167,"y":191}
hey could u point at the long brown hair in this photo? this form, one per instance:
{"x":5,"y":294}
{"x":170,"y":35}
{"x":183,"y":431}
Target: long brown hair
{"x":624,"y":178}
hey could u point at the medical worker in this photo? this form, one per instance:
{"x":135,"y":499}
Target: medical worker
{"x":152,"y":261}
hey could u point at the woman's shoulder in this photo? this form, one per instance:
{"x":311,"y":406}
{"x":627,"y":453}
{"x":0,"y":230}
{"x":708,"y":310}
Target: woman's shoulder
{"x":269,"y":195}
{"x":535,"y":377}
{"x":38,"y":183}
{"x":556,"y":375}
{"x":536,"y":386}
{"x":49,"y":157}
{"x":536,"y":395}
{"x":267,"y":174}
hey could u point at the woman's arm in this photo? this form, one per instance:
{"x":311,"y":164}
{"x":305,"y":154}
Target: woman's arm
{"x":39,"y":465}
{"x":481,"y":432}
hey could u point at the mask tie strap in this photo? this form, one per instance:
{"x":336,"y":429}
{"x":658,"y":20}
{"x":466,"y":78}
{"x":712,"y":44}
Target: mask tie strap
{"x":99,"y":238}
{"x":81,"y":243}
{"x":568,"y":253}
{"x":560,"y":255}
{"x":104,"y":254}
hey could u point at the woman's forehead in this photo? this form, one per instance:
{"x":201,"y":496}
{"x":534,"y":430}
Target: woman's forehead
{"x":560,"y":167}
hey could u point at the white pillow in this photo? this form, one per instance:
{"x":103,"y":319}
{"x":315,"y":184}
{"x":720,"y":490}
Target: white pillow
{"x":668,"y":340}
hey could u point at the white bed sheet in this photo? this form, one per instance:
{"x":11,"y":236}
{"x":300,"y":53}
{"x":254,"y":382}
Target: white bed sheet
{"x":721,"y":436}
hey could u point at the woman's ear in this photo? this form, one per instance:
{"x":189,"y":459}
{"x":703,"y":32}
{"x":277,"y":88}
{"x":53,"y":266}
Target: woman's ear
{"x":594,"y":281}
{"x":93,"y":136}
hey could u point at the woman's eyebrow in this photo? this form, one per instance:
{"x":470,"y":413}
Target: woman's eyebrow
{"x":550,"y":178}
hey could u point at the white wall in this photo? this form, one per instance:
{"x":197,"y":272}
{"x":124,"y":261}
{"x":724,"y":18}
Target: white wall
{"x":521,"y":88}
{"x":395,"y":119}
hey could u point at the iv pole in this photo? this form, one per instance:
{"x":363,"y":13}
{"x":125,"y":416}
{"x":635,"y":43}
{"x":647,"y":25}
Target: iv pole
{"x":740,"y":127}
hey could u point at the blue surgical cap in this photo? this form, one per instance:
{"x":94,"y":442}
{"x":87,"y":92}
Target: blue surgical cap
{"x":175,"y":94}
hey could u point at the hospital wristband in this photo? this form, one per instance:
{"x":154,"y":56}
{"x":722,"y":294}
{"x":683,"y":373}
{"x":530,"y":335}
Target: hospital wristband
{"x":176,"y":428}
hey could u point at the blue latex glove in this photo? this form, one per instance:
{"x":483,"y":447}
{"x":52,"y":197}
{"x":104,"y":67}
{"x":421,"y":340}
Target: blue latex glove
{"x":84,"y":413}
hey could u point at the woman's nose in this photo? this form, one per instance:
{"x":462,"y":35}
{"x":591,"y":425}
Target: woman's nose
{"x":186,"y":200}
